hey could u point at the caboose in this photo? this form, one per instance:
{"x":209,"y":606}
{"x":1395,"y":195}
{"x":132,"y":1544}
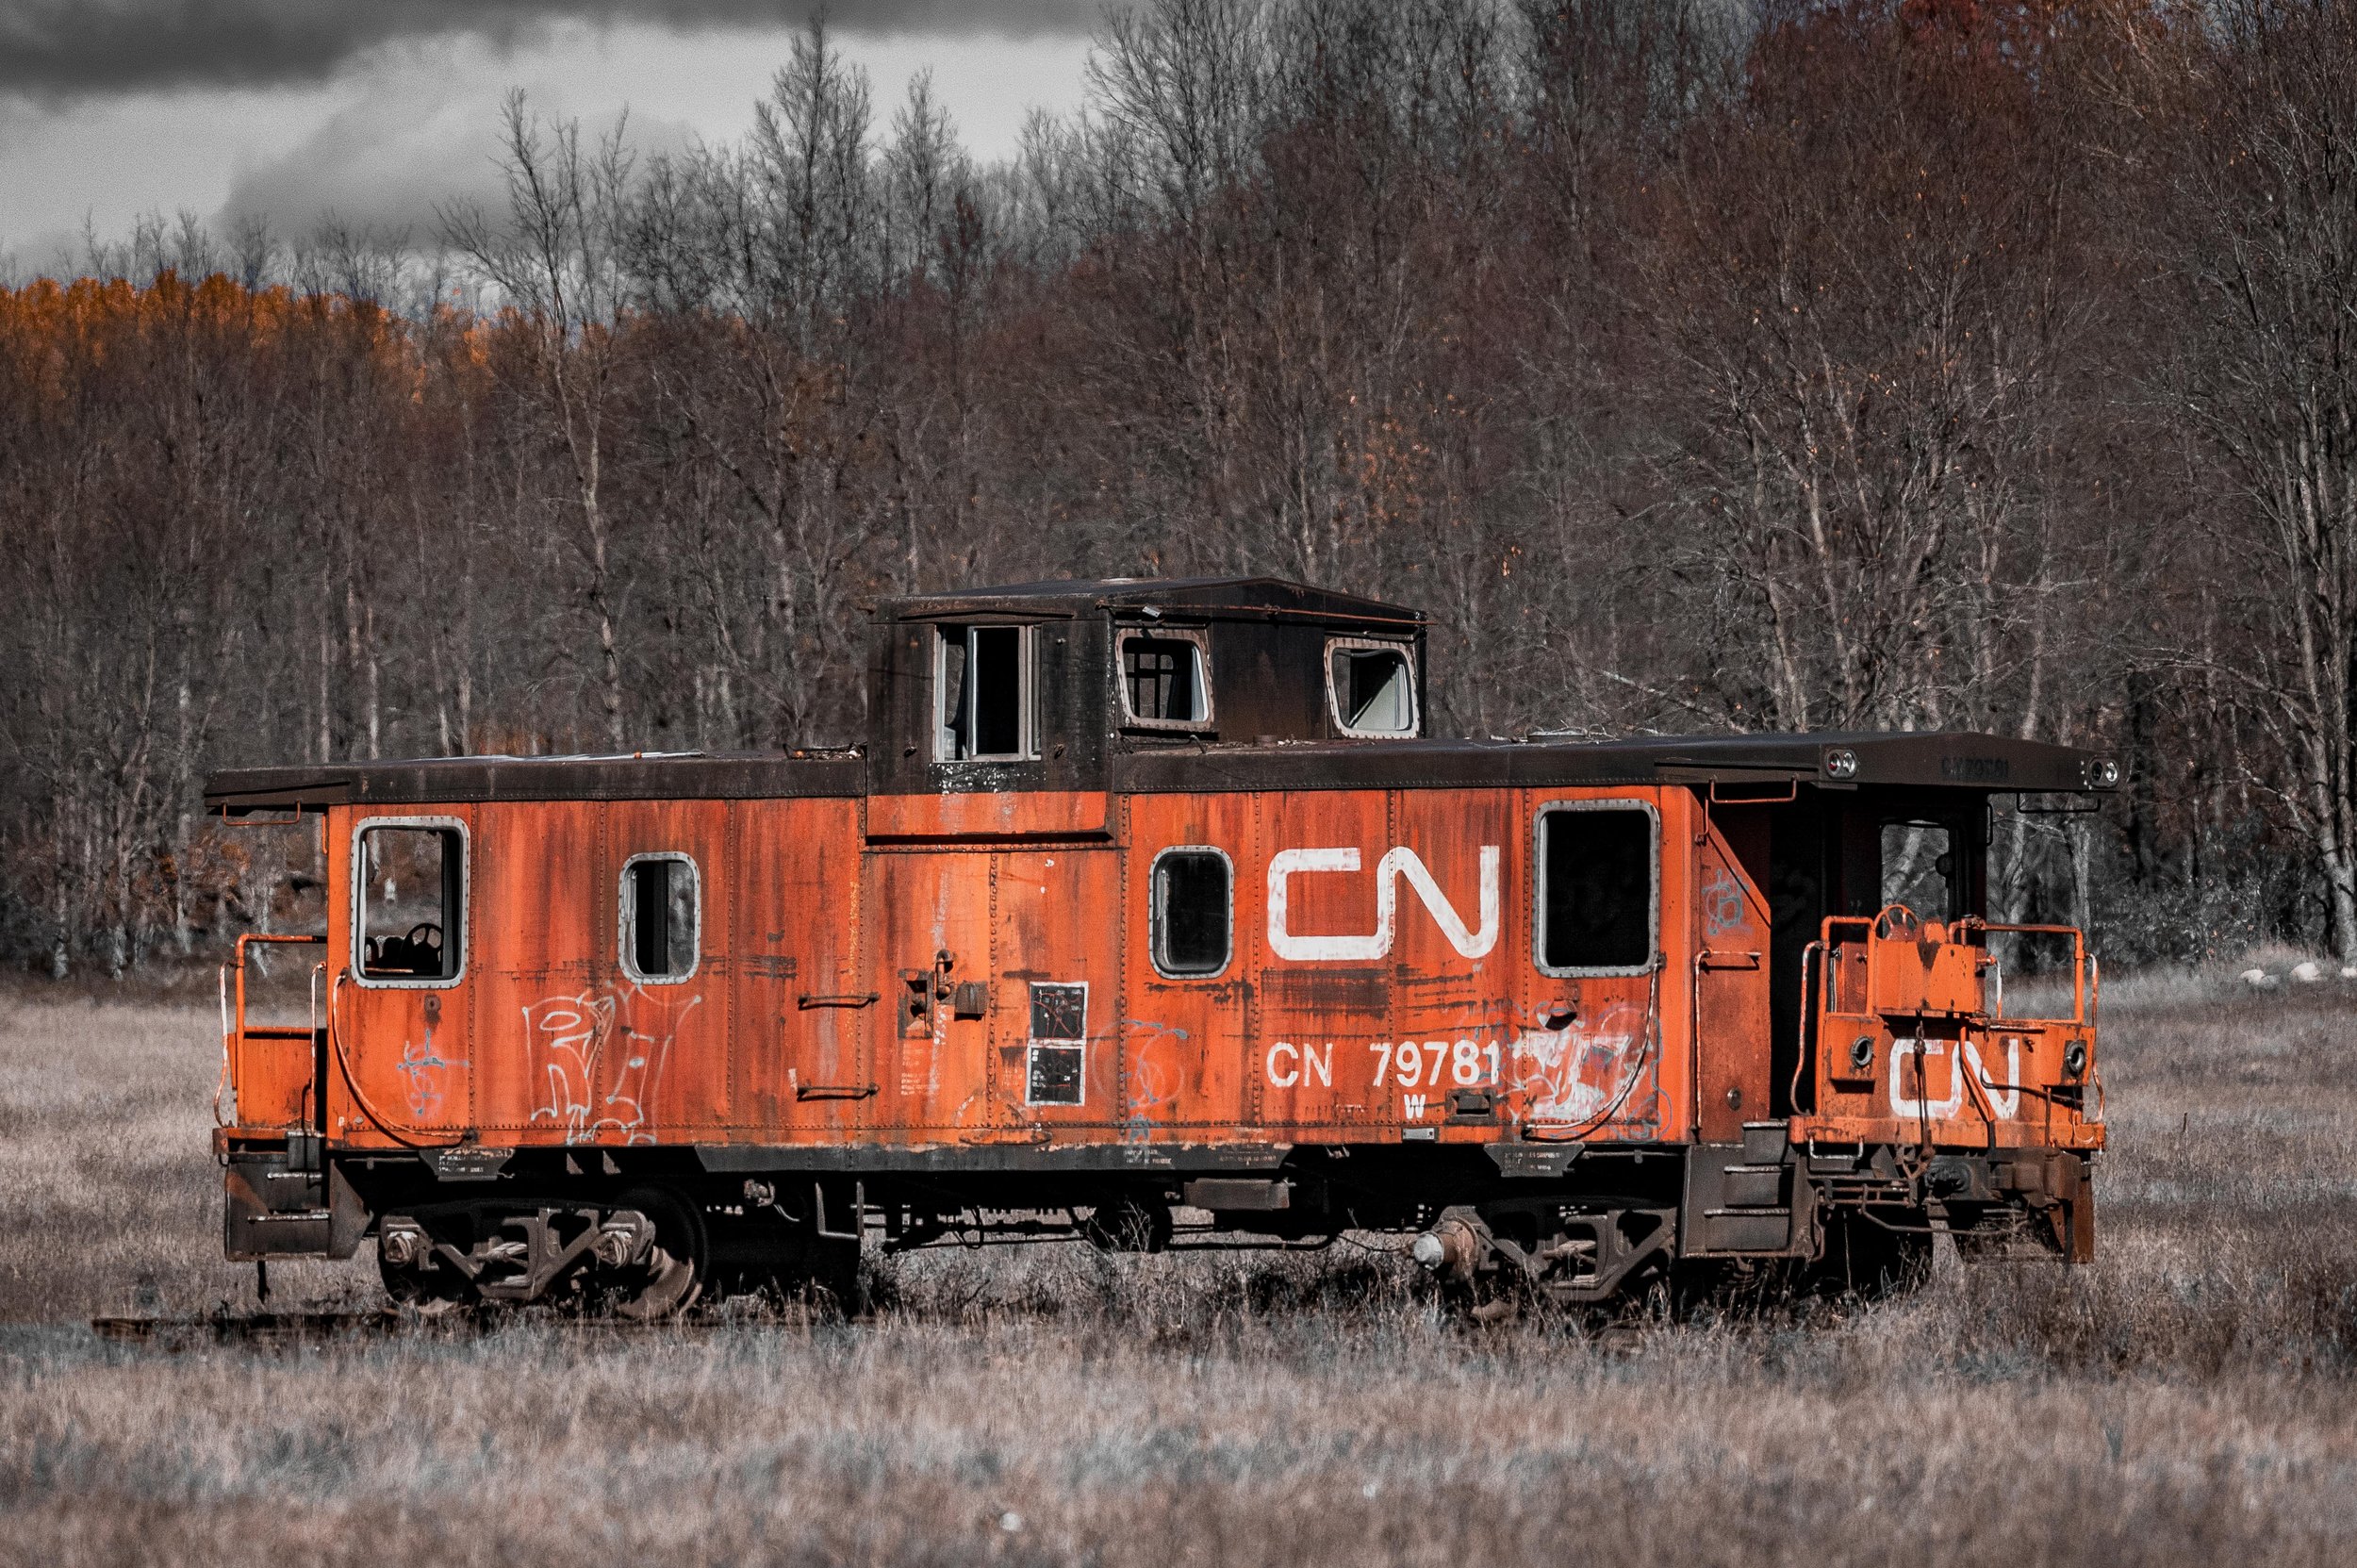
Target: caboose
{"x":1148,"y":913}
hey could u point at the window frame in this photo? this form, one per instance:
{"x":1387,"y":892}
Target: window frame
{"x":626,"y":916}
{"x":1154,"y":912}
{"x":1032,"y":1045}
{"x":1953,"y":907}
{"x":1655,"y":958}
{"x":1027,"y":681}
{"x":1201,"y":638}
{"x":360,"y":968}
{"x":1406,"y":649}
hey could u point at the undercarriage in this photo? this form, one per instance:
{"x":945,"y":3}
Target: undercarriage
{"x":651,"y":1233}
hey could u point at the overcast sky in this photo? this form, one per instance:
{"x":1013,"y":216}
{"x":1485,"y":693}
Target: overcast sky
{"x":377,"y":109}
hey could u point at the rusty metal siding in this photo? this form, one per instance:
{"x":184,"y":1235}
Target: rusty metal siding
{"x":1185,"y":1037}
{"x":804,"y":1001}
{"x":401,"y":1069}
{"x":1326,"y":1026}
{"x":1730,"y":978}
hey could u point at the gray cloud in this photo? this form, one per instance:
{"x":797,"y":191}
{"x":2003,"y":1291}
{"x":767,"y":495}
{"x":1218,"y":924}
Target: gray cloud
{"x":391,"y":165}
{"x":57,"y":49}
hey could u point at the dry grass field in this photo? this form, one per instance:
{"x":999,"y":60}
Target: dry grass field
{"x":2191,"y":1398}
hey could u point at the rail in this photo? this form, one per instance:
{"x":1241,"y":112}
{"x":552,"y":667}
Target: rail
{"x":235,"y":1032}
{"x":2083,"y":971}
{"x":1891,"y":966}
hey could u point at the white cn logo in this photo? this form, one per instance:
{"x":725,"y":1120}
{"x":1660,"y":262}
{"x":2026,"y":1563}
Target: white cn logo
{"x":1395,"y":864}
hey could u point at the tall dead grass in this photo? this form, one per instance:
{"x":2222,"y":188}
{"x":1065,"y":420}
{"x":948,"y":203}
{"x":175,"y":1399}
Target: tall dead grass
{"x":2184,"y":1400}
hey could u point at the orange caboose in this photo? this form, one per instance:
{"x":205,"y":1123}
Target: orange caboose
{"x":1146,"y":910}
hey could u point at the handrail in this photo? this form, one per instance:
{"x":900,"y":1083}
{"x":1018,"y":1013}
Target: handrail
{"x":1863,"y":931}
{"x":221,"y":1084}
{"x":1811,"y":1035}
{"x":1828,"y":946}
{"x":2081,"y":998}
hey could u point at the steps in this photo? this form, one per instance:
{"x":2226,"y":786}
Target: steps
{"x":1745,"y":1202}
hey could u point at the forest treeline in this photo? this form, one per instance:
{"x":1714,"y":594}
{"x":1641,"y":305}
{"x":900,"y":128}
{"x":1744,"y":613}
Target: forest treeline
{"x":1697,"y":366}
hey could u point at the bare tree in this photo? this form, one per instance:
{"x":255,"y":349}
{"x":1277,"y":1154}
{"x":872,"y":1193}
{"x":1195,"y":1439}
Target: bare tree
{"x":2270,"y":200}
{"x":556,"y":261}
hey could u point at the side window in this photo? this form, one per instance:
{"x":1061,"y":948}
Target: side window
{"x":662,"y":917}
{"x":1192,"y":913}
{"x":1059,"y":1044}
{"x":1371,"y":687}
{"x":1165,"y":679}
{"x":983,"y":687}
{"x":1920,"y":869}
{"x":409,"y":894}
{"x":1598,"y":888}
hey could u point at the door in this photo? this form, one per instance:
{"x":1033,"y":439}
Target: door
{"x":928,"y":932}
{"x":1054,"y":993}
{"x":805,"y":1006}
{"x":1732,"y":1032}
{"x":1191,"y":944}
{"x":398,"y":1035}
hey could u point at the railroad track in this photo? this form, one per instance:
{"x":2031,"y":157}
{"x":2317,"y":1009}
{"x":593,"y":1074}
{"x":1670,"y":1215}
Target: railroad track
{"x":322,"y":1328}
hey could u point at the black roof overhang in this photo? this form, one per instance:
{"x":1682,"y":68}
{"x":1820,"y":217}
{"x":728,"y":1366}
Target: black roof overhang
{"x":1920,"y":759}
{"x":1989,"y":764}
{"x":1233,"y":596}
{"x":248,"y":791}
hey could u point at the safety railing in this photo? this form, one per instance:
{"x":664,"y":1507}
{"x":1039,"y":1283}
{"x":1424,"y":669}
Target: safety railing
{"x":242,"y":1041}
{"x":1867,"y":980}
{"x":2083,"y":976}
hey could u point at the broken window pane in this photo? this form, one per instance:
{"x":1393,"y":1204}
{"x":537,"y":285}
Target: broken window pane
{"x":949,"y":682}
{"x":1191,"y":912}
{"x":1918,"y":869}
{"x":661,"y":918}
{"x":1054,"y":1075}
{"x":1162,"y":680}
{"x":412,"y":884}
{"x":1059,"y":1044}
{"x":1059,"y":1012}
{"x":1373,"y":687}
{"x":1595,"y":890}
{"x":996,"y":666}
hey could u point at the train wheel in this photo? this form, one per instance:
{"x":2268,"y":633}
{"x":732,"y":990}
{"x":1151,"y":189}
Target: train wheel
{"x":421,"y":1288}
{"x":833,"y":1273}
{"x":666,"y":1281}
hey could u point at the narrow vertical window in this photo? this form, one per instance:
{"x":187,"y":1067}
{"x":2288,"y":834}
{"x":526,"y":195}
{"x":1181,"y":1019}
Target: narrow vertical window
{"x":1919,"y":869}
{"x":983,"y":686}
{"x":409,"y":892}
{"x":1598,"y":888}
{"x":1192,"y":913}
{"x":662,"y":917}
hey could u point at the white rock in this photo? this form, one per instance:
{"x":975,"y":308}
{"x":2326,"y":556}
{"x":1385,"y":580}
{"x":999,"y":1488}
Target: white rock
{"x":2256,"y":979}
{"x":2308,"y":973}
{"x":2348,"y":972}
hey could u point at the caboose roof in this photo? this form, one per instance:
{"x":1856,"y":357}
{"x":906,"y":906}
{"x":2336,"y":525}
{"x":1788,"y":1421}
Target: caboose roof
{"x":1201,"y":595}
{"x":1908,"y":759}
{"x":1914,"y":759}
